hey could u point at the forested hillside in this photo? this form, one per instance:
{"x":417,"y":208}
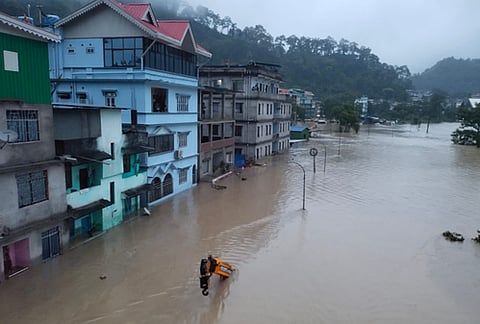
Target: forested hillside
{"x":458,"y":77}
{"x":324,"y":65}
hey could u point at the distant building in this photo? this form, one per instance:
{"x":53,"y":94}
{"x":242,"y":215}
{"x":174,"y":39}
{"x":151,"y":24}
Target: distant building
{"x":304,"y":99}
{"x":299,"y":133}
{"x":216,"y":130}
{"x":362,"y":103}
{"x":262,"y":115}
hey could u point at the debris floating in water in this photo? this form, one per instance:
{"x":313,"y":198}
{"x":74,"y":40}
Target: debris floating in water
{"x":477,"y":239}
{"x":453,"y":236}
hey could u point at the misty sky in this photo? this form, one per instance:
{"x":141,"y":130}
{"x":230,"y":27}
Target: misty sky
{"x":416,"y":33}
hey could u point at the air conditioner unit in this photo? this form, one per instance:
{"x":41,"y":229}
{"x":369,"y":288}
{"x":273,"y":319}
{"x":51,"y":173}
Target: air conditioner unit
{"x":178,"y":154}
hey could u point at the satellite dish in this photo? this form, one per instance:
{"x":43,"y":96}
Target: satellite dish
{"x":8,"y":135}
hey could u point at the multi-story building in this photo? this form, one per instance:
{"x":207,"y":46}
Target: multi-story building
{"x":104,"y":181}
{"x":216,"y":130}
{"x":32,"y":182}
{"x":120,"y":55}
{"x":257,"y":85}
{"x":304,"y":99}
{"x":281,"y":124}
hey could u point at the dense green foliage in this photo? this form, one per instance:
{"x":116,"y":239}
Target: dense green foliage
{"x":325,"y":66}
{"x":435,"y":109}
{"x":457,"y":77}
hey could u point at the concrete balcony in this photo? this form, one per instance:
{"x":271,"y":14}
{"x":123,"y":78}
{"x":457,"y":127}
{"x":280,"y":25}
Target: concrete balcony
{"x":86,"y":196}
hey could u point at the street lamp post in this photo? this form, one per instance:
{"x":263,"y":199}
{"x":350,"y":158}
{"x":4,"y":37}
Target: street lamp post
{"x":303,"y":181}
{"x":325,"y":158}
{"x":313,"y":153}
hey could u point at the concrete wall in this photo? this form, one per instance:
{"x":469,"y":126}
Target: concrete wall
{"x":15,"y":217}
{"x":25,"y":152}
{"x":103,"y":22}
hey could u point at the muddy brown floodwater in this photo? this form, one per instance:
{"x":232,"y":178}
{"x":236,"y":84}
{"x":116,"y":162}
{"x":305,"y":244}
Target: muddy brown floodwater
{"x":367,"y":249}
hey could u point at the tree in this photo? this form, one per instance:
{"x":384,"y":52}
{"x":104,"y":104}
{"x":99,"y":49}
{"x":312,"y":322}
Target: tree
{"x":347,"y":116}
{"x":469,"y":131}
{"x":434,"y":109}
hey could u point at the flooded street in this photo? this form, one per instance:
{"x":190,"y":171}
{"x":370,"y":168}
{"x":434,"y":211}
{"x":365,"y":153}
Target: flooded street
{"x":368,"y":248}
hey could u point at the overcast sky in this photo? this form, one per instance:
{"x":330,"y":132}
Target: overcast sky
{"x":416,"y":33}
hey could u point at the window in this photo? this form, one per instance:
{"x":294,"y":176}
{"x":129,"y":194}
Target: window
{"x":24,"y":123}
{"x":127,"y":165}
{"x":182,"y":102}
{"x":82,"y":97}
{"x":112,"y":150}
{"x":84,"y":178}
{"x":259,"y":109}
{"x":112,"y":192}
{"x":64,"y":95}
{"x":156,"y":192}
{"x":159,"y":100}
{"x":238,"y":130}
{"x":68,"y":175}
{"x":50,"y":243}
{"x":110,"y":97}
{"x":228,"y":130}
{"x":10,"y":61}
{"x":90,"y":50}
{"x":167,"y":185}
{"x":237,"y":85}
{"x":216,"y":132}
{"x":205,"y":166}
{"x":182,"y":139}
{"x":32,"y":188}
{"x":258,"y":131}
{"x":122,"y":52}
{"x":182,"y":175}
{"x":161,"y":143}
{"x":239,"y":107}
{"x":165,"y":58}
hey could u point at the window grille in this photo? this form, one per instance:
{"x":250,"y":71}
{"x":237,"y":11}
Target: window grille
{"x":182,"y":175}
{"x":182,"y":102}
{"x":32,"y":188}
{"x":161,"y":143}
{"x":182,"y":139}
{"x":24,"y":123}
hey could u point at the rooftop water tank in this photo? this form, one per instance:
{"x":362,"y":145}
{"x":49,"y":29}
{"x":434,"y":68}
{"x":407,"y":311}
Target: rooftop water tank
{"x":51,"y":19}
{"x":25,"y":19}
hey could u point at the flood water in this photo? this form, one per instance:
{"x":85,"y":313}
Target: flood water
{"x":368,"y":248}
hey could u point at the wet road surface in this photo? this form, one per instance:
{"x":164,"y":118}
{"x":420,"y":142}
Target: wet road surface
{"x":367,"y":249}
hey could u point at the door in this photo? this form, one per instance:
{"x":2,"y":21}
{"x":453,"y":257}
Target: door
{"x":86,"y":224}
{"x":83,"y":178}
{"x":50,"y":243}
{"x":7,"y":261}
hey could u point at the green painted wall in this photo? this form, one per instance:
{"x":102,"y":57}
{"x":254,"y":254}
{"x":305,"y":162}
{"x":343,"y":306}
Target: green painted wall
{"x":31,"y":83}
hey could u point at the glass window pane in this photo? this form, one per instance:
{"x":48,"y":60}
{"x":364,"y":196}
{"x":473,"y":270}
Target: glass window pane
{"x":138,"y":55}
{"x":117,"y":43}
{"x":128,"y":57}
{"x":107,"y":43}
{"x":129,"y":43}
{"x":117,"y":58}
{"x":108,"y":58}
